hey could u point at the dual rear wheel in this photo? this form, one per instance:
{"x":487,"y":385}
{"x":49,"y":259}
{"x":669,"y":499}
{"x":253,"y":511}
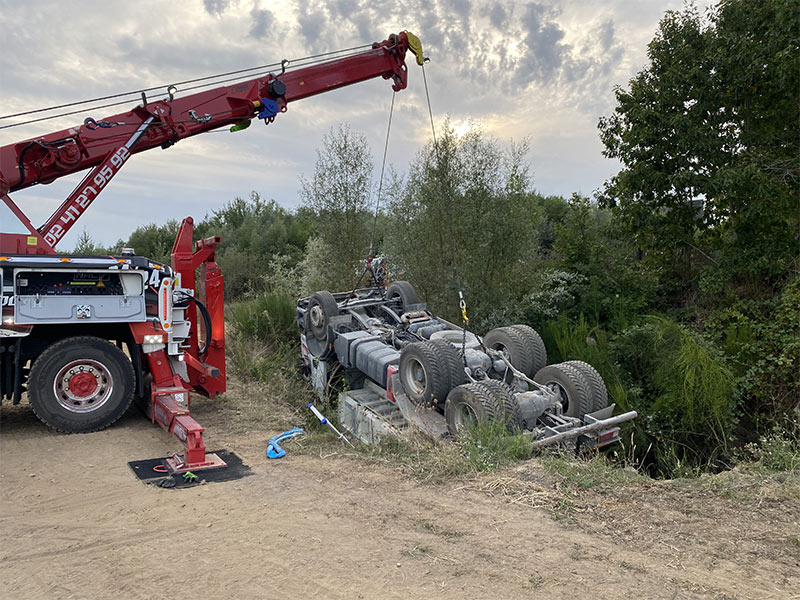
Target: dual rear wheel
{"x":579,"y":387}
{"x":429,"y":370}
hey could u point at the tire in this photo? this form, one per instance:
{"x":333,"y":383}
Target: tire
{"x":81,"y":384}
{"x":321,"y":307}
{"x":453,"y":362}
{"x":576,"y":395}
{"x":504,"y":398}
{"x":514,"y":347}
{"x":596,"y":383}
{"x":424,"y":373}
{"x":405,"y":292}
{"x":535,"y":343}
{"x":470,"y":404}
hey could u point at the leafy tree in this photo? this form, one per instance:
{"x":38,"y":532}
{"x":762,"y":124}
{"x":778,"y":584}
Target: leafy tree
{"x":154,"y":241}
{"x":617,"y":286}
{"x":253,"y":232}
{"x":707,"y":135}
{"x":86,"y":246}
{"x":338,"y":195}
{"x":460,"y":223}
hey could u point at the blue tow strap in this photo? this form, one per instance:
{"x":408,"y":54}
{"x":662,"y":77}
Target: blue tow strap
{"x":274,"y":450}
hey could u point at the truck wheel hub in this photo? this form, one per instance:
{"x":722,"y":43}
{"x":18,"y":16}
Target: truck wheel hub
{"x":464,"y":416}
{"x":83,"y":385}
{"x":317,"y":316}
{"x":414,"y":377}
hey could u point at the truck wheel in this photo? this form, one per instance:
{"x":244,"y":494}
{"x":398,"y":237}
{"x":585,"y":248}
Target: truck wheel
{"x":505,"y":399}
{"x":81,"y":384}
{"x":405,"y":292}
{"x":571,"y":385}
{"x":514,"y":347}
{"x":321,"y":307}
{"x":535,"y":343}
{"x":470,"y":404}
{"x":423,"y":373}
{"x":452,"y":361}
{"x":596,"y":384}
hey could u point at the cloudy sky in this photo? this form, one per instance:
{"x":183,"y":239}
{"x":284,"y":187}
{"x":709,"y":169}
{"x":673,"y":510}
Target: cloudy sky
{"x":541,"y":70}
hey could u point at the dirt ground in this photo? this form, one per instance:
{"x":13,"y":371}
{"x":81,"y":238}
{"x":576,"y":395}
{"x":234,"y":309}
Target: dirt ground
{"x":76,"y":523}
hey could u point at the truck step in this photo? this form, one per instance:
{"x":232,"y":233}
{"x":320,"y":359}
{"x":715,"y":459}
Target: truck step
{"x":369,"y":416}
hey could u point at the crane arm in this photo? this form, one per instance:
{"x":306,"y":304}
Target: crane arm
{"x":107,"y":144}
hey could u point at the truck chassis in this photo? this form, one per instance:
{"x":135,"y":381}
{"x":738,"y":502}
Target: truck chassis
{"x":405,"y":368}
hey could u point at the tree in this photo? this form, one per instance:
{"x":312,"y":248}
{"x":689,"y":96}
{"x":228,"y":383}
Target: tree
{"x":154,"y":241}
{"x":338,"y":195}
{"x":254,"y":232}
{"x":86,"y":246}
{"x":460,"y":223}
{"x":707,"y":135}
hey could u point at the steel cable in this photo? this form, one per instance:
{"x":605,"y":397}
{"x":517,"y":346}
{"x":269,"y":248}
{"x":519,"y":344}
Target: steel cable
{"x":211,"y":80}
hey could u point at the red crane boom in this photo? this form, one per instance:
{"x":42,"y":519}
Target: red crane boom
{"x":107,"y":144}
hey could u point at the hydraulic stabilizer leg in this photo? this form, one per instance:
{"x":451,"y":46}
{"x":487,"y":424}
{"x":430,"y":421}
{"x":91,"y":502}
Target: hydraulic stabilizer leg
{"x":170,"y":409}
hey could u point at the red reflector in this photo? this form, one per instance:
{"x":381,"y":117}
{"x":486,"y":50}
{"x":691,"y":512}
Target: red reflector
{"x":390,"y":370}
{"x":607,"y":435}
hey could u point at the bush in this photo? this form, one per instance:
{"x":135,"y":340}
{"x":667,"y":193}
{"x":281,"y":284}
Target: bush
{"x":779,"y":450}
{"x":684,"y":392}
{"x":269,"y":317}
{"x":555,"y":292}
{"x":488,"y":446}
{"x":240,"y":269}
{"x":566,"y":340}
{"x":762,"y":337}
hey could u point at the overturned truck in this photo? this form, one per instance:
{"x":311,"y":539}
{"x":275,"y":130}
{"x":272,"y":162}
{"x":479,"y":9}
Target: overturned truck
{"x":404,"y":367}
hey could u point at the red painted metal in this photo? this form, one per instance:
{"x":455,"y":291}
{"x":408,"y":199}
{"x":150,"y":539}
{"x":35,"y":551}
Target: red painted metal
{"x":161,"y":370}
{"x":139,"y":330}
{"x":22,"y":243}
{"x":62,"y":220}
{"x":186,"y":258}
{"x":162,"y":123}
{"x":391,"y":371}
{"x":83,"y":384}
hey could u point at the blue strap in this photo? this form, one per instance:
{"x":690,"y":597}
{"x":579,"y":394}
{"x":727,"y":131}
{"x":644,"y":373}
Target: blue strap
{"x":270,"y":109}
{"x":274,"y":450}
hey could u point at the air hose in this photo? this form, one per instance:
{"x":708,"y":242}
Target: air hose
{"x":274,"y":450}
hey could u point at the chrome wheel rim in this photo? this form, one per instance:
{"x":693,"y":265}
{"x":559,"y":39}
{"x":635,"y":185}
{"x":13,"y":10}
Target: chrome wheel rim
{"x":317,"y":316}
{"x":83,"y":385}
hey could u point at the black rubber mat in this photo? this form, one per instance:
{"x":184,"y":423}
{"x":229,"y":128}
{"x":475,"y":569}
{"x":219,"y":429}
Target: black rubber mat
{"x":236,"y":469}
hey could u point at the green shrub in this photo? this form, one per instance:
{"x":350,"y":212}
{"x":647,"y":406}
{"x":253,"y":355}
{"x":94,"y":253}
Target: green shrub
{"x":239,"y":269}
{"x":779,"y":450}
{"x":488,"y":446}
{"x":684,"y":395}
{"x":566,"y":340}
{"x":269,"y":317}
{"x":762,"y":337}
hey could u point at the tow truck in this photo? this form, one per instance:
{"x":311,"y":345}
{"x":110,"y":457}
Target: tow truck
{"x":403,"y":368}
{"x":84,"y":335}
